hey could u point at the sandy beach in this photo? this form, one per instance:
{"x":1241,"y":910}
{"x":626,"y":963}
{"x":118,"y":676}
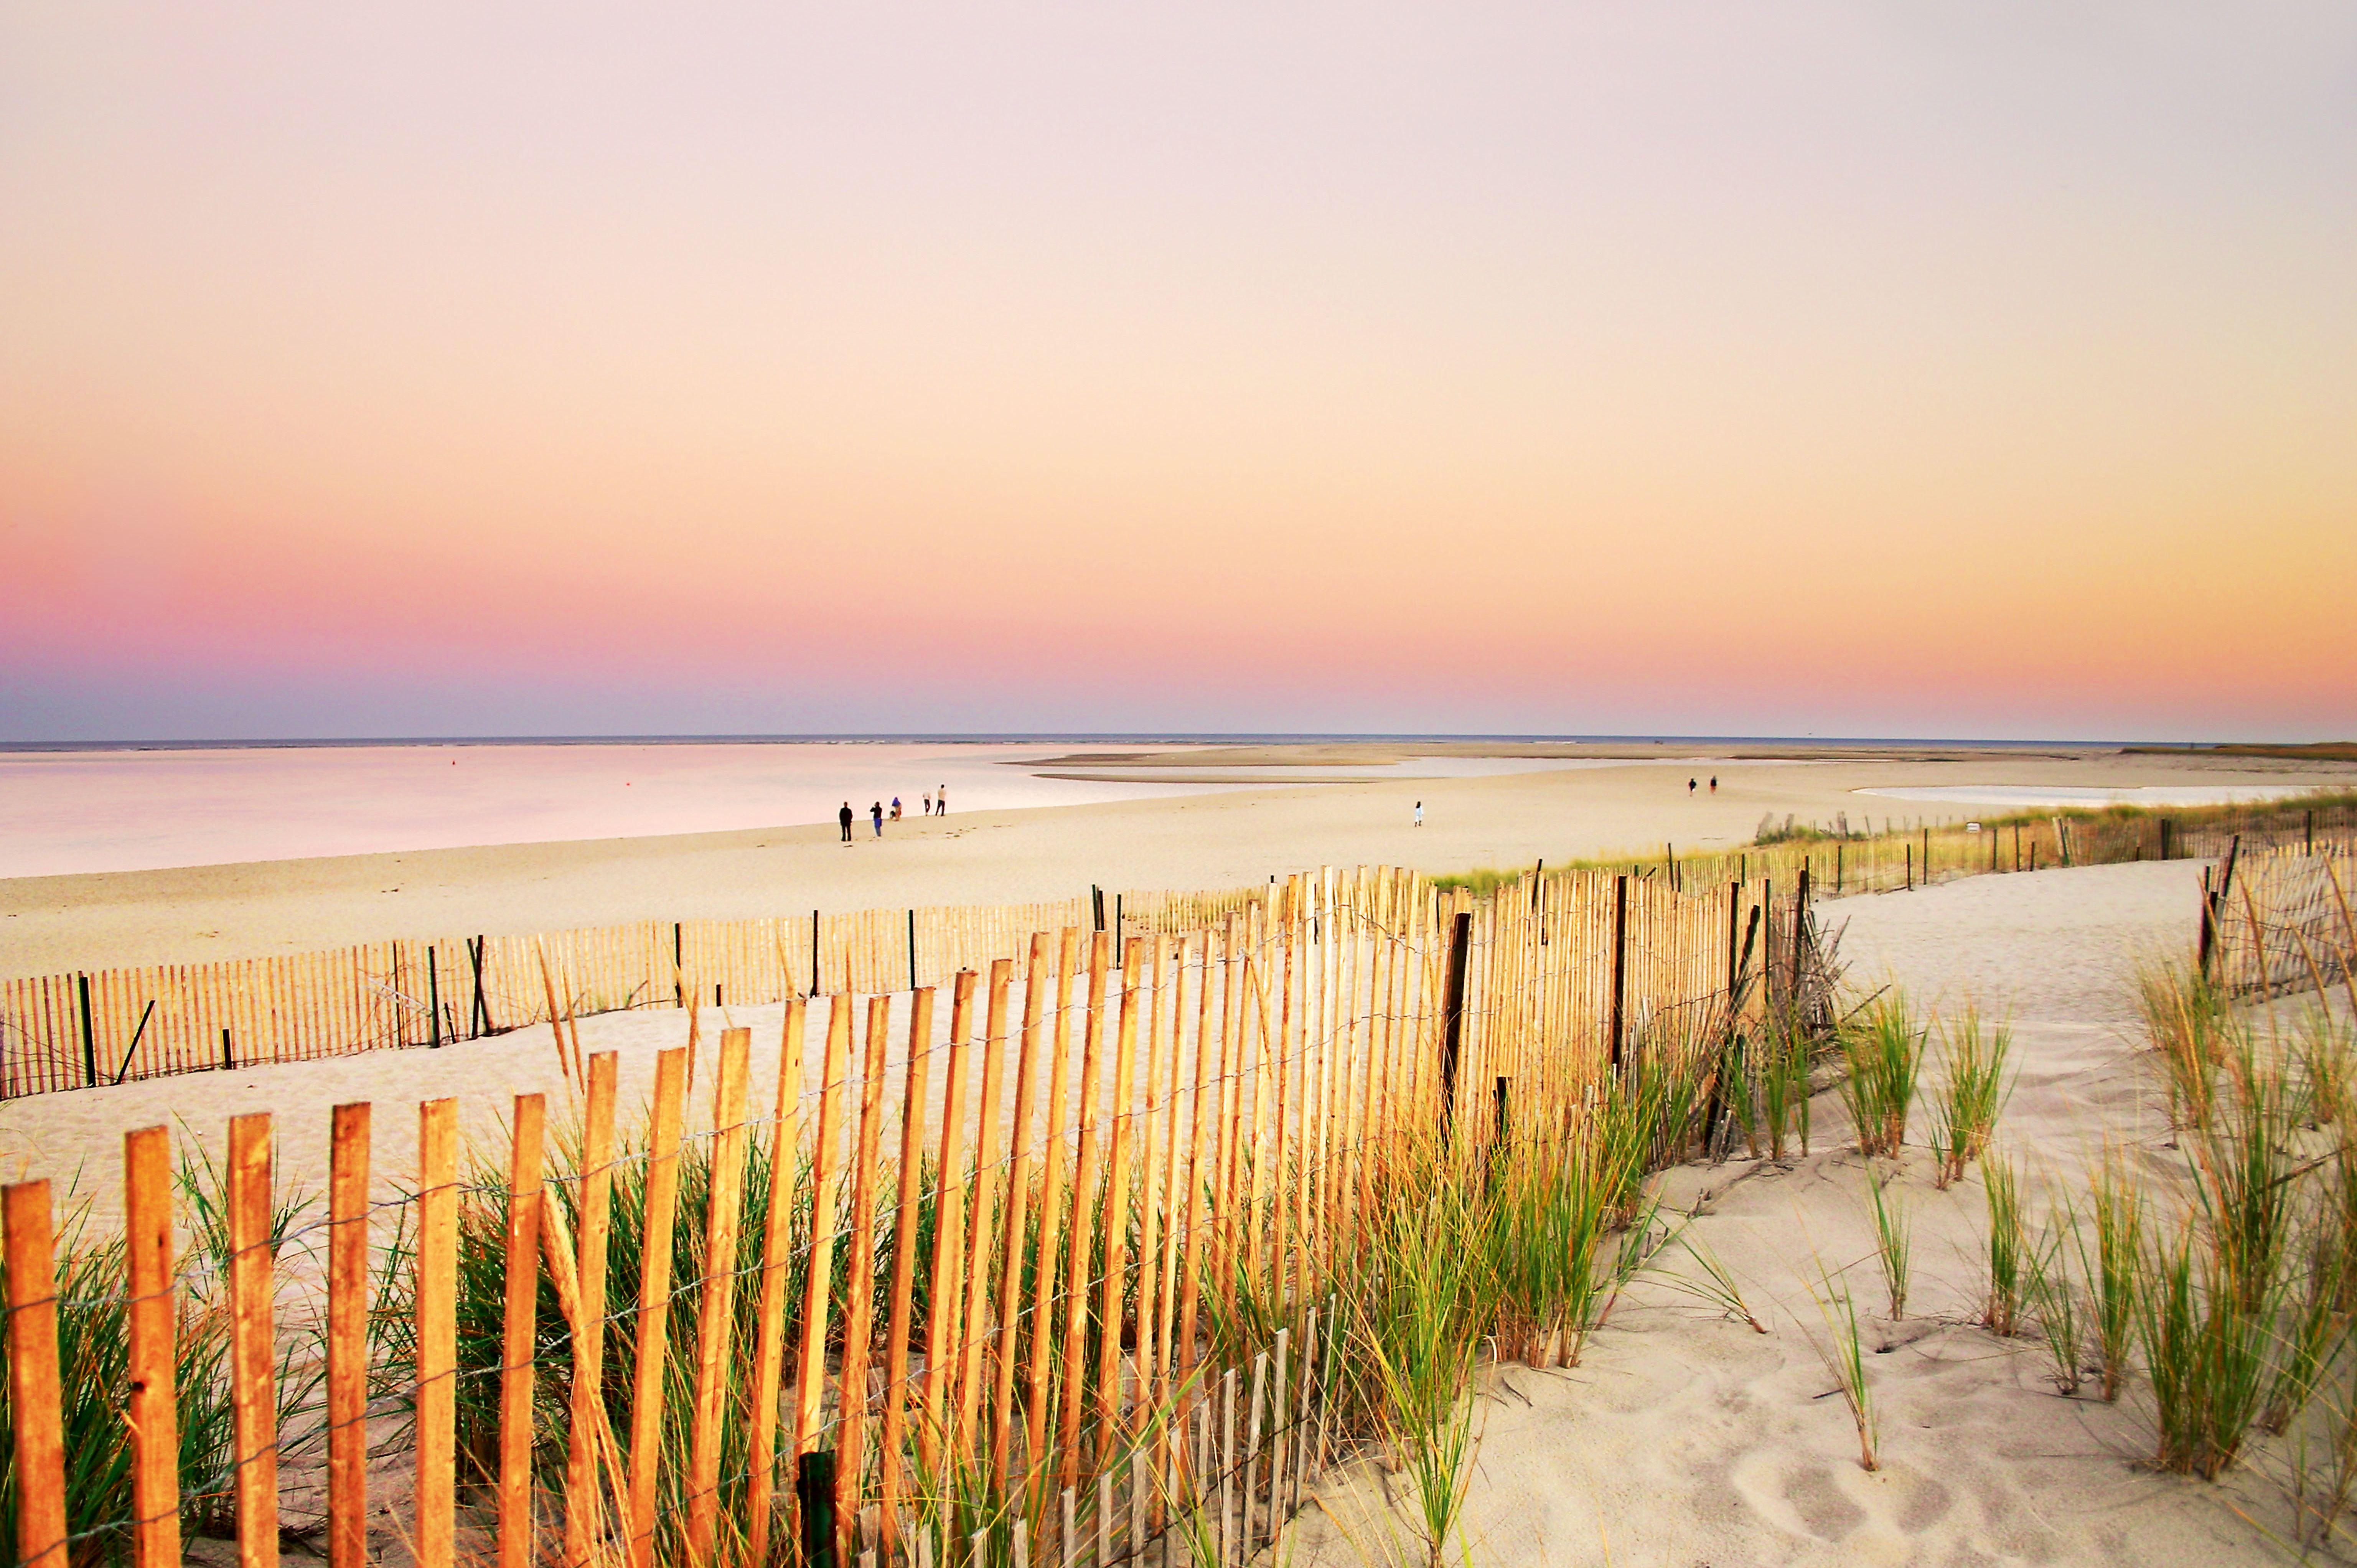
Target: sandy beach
{"x":1618,"y":798}
{"x":1683,"y":1437}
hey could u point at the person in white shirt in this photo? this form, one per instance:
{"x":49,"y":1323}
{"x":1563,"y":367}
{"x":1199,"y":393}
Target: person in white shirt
{"x":1419,"y":813}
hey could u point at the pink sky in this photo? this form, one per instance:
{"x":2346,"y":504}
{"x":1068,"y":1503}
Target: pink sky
{"x":1735,"y":369}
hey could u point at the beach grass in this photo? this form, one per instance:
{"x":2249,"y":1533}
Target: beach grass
{"x":1892,"y":1239}
{"x":1884,"y":1053}
{"x":1973,"y":1092}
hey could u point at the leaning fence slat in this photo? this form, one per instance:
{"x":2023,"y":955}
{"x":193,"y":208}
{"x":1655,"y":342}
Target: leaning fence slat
{"x":347,"y":1369}
{"x":717,"y":1299}
{"x":859,"y":1276}
{"x":1084,"y":1195}
{"x":1019,"y":1190}
{"x":904,"y":1266}
{"x":975,"y":1336}
{"x":1051,"y":1191}
{"x":942,"y":1319}
{"x":1115,"y":1209}
{"x":777,"y":1242}
{"x":34,"y":1401}
{"x":654,"y":1299}
{"x":586,"y":1508}
{"x":810,"y":1369}
{"x":252,"y":1336}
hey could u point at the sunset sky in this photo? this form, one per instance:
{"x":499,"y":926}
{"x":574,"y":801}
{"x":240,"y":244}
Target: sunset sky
{"x":1923,"y":370}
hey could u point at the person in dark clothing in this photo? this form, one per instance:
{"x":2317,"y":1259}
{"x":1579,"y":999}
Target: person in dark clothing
{"x":1690,"y":786}
{"x":845,"y":816}
{"x":877,"y":810}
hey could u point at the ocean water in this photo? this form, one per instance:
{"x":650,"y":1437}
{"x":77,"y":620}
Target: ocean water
{"x":2032,"y":797}
{"x":131,"y":810}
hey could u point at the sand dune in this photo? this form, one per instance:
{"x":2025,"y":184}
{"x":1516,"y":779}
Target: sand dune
{"x":1685,"y":1438}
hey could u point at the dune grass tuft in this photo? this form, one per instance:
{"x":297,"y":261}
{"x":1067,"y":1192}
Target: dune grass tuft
{"x":2007,"y":1248}
{"x":1892,"y":1239}
{"x":1972,"y":1093}
{"x":1884,"y":1052}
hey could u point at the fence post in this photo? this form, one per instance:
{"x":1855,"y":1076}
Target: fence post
{"x":1096,"y":906}
{"x":433,"y":1001}
{"x":912,"y":950}
{"x":229,"y":1056}
{"x":814,"y":1490}
{"x":1452,"y":1018}
{"x":1500,"y":1127}
{"x":1620,"y":964}
{"x":2209,"y":923}
{"x":813,"y":990}
{"x":89,"y":1035}
{"x":478,"y":1022}
{"x":1800,"y":935}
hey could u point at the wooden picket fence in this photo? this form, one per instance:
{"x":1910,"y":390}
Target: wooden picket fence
{"x":2282,"y":918}
{"x":74,"y":1031}
{"x":1056,"y":1282}
{"x":1840,"y":863}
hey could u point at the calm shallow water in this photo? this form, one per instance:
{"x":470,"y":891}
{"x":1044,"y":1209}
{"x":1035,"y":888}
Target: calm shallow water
{"x":2028,"y":796}
{"x":128,"y":811}
{"x":122,"y":810}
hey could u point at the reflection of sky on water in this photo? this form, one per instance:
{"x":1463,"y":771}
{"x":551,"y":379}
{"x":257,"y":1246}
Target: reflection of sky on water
{"x":2060,"y":795}
{"x":128,"y":810}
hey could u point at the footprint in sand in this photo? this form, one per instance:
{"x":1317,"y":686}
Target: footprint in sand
{"x":1872,"y":1517}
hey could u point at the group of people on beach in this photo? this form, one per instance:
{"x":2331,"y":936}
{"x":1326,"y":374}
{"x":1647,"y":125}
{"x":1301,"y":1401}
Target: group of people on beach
{"x":937,"y":804}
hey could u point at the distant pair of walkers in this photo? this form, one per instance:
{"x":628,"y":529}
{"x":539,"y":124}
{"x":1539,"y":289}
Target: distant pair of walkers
{"x":844,"y":816}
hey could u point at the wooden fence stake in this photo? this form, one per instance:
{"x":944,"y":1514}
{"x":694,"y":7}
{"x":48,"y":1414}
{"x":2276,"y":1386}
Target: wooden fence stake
{"x":33,"y":1395}
{"x":517,"y":1547}
{"x":859,"y":1282}
{"x":1616,"y":1028}
{"x":943,"y":1317}
{"x":1019,"y":1193}
{"x":1084,"y":1196}
{"x":253,"y":1335}
{"x":438,"y":1331}
{"x":770,"y":1312}
{"x":1116,"y":1209}
{"x":654,"y":1299}
{"x":826,"y":1174}
{"x":716,"y":1294}
{"x":347,"y":1293}
{"x":904,"y":1266}
{"x":975,"y":1337}
{"x":1051,"y":1199}
{"x":585,"y":1510}
{"x":1452,"y":1024}
{"x":153,"y":1408}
